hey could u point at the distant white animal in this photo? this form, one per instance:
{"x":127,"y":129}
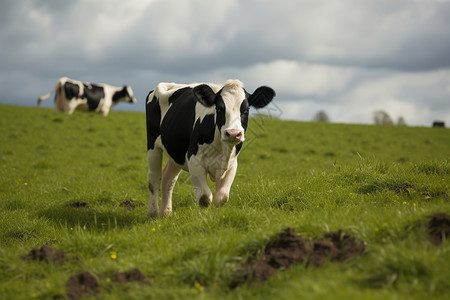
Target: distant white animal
{"x":200,"y":127}
{"x":74,"y":95}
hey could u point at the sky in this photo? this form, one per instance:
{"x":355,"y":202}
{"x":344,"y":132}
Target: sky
{"x":348,"y":58}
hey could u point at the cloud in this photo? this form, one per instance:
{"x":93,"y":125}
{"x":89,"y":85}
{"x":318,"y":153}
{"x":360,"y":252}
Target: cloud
{"x":411,"y":95}
{"x":346,"y":57}
{"x":291,"y":78}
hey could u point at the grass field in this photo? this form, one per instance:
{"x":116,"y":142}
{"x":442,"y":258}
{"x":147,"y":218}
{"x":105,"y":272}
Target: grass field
{"x":79,"y":184}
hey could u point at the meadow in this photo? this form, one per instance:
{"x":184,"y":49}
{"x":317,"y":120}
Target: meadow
{"x":79,"y":185}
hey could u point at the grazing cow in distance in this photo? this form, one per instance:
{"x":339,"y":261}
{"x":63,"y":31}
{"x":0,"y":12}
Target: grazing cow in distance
{"x":439,"y":124}
{"x":74,"y":95}
{"x":200,"y":127}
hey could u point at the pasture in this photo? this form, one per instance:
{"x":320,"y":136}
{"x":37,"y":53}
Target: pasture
{"x":79,"y":185}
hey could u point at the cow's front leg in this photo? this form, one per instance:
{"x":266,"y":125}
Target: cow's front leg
{"x":154,"y":158}
{"x":70,"y":109}
{"x":105,"y":110}
{"x":200,"y":183}
{"x":169,"y":178}
{"x":223,"y":185}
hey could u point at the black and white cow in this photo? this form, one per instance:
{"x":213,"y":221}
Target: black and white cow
{"x":74,"y":95}
{"x":438,"y":124}
{"x":200,"y":127}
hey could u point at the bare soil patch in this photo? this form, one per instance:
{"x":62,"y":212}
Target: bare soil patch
{"x":82,"y":285}
{"x":290,"y":248}
{"x":335,"y":246}
{"x":130,"y":276}
{"x":79,"y":204}
{"x":438,"y":228}
{"x":47,"y":254}
{"x":85,"y":284}
{"x":130,"y":204}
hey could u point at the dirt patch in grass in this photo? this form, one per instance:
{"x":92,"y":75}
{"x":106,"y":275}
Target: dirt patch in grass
{"x":85,"y":284}
{"x":335,"y":246}
{"x":290,"y":248}
{"x":132,"y":275}
{"x":130,"y":204}
{"x":79,"y":204}
{"x":438,"y":228}
{"x":82,"y":285}
{"x":47,"y":254}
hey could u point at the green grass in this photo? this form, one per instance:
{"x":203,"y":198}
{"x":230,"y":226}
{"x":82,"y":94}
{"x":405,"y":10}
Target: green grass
{"x":63,"y":180}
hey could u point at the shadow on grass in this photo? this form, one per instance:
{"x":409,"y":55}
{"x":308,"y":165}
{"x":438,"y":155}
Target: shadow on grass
{"x":82,"y":214}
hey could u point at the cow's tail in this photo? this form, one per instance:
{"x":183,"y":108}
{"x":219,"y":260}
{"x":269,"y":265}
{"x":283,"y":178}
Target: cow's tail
{"x":45,"y":97}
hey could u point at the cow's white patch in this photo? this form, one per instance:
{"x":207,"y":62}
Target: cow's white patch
{"x":233,"y":95}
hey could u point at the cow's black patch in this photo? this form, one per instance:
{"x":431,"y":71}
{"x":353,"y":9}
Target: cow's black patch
{"x":177,"y":125}
{"x":244,"y":121}
{"x":71,"y":90}
{"x":220,"y":111}
{"x":123,"y":93}
{"x":244,"y":114}
{"x":153,"y":113}
{"x":93,"y":94}
{"x":238,"y":148}
{"x":181,"y":93}
{"x":203,"y":133}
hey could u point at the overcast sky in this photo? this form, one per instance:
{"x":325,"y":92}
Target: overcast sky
{"x":346,"y":57}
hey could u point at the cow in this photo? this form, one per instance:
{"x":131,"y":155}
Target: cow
{"x":200,"y":128}
{"x":439,"y":124}
{"x":74,"y":95}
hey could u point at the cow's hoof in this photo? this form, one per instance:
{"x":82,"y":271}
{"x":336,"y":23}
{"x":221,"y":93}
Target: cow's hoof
{"x":165,"y":213}
{"x":204,"y":201}
{"x":221,"y":202}
{"x":152,"y":215}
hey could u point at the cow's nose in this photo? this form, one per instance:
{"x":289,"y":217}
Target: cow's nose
{"x":233,"y":135}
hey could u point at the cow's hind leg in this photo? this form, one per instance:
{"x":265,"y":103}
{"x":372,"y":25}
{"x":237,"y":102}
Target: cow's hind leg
{"x":61,"y":104}
{"x":154,"y":157}
{"x":169,"y":178}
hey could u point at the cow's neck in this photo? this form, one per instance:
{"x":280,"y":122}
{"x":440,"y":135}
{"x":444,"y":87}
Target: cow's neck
{"x":221,"y":160}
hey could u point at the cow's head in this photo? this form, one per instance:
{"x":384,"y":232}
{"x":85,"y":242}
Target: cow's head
{"x":124,"y":95}
{"x":232,"y":104}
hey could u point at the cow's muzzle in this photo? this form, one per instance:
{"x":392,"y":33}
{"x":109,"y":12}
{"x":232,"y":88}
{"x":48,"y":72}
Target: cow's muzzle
{"x":233,"y":135}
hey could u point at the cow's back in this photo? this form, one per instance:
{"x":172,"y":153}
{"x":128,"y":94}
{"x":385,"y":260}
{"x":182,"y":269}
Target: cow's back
{"x":164,"y":91}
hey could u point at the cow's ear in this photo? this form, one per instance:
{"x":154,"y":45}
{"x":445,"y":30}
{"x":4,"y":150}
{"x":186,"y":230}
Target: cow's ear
{"x":205,"y":95}
{"x":261,"y":97}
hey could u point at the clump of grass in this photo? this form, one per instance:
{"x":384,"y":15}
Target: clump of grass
{"x":440,"y":168}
